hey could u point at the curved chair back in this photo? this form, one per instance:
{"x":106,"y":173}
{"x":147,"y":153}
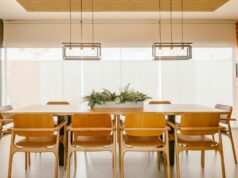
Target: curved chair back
{"x":204,"y":121}
{"x":227,"y":108}
{"x":5,"y":108}
{"x":58,"y":103}
{"x":144,"y":121}
{"x":159,"y":102}
{"x":33,"y":121}
{"x":94,"y":121}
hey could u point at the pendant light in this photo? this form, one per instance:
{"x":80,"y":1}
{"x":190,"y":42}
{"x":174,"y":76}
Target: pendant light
{"x":171,"y":51}
{"x":81,"y":51}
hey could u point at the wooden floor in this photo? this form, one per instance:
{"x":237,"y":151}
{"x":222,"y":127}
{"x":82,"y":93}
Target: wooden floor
{"x":137,"y":165}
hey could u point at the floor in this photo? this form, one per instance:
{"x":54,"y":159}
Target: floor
{"x":137,"y":165}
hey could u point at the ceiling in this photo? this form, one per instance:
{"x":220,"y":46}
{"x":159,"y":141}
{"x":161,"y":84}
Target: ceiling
{"x":120,"y":5}
{"x":12,"y":10}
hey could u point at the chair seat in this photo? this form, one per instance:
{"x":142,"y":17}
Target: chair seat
{"x":93,"y":141}
{"x":34,"y":142}
{"x":143,"y":141}
{"x":195,"y":140}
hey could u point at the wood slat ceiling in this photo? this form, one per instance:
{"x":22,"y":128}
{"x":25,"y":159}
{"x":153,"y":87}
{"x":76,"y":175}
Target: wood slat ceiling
{"x":120,"y":5}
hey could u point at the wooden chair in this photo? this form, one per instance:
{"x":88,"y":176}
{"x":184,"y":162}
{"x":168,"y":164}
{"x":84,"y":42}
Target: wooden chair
{"x":142,"y":133}
{"x":5,"y":119}
{"x":159,"y":102}
{"x":39,"y":135}
{"x":8,"y":119}
{"x":194,"y":132}
{"x":91,"y":133}
{"x":225,"y":121}
{"x":60,"y":119}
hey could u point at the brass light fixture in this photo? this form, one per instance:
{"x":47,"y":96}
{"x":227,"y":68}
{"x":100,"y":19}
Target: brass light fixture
{"x":171,"y":51}
{"x":81,"y":51}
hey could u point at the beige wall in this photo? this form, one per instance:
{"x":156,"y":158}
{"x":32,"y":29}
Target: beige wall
{"x":118,"y":33}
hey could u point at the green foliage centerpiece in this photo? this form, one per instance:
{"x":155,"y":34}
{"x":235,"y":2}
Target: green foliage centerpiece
{"x":125,"y":96}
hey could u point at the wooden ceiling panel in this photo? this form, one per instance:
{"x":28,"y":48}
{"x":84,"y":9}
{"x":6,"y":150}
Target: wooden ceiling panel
{"x":120,"y":5}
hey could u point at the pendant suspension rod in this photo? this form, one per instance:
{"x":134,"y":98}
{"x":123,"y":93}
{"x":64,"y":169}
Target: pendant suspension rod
{"x":182,"y":20}
{"x":171,"y":21}
{"x":70,"y":22}
{"x":81,"y":21}
{"x":159,"y":27}
{"x":93,"y":21}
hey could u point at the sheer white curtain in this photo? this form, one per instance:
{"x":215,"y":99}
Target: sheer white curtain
{"x":204,"y":81}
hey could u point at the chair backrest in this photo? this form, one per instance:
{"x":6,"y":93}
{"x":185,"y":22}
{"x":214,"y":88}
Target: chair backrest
{"x":5,"y":108}
{"x":58,"y":103}
{"x":199,"y":120}
{"x":91,"y":121}
{"x":33,"y":121}
{"x":227,"y":108}
{"x":145,"y":120}
{"x":159,"y":102}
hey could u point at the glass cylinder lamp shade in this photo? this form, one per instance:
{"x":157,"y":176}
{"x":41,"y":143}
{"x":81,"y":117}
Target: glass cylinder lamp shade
{"x":81,"y":51}
{"x":172,"y":51}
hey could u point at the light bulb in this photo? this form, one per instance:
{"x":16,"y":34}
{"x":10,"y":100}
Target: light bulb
{"x":171,"y":51}
{"x":94,"y":51}
{"x":183,"y":51}
{"x":160,"y":51}
{"x":70,"y":50}
{"x":81,"y":51}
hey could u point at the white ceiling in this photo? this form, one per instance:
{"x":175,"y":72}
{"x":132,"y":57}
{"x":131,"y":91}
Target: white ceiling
{"x":11,"y":10}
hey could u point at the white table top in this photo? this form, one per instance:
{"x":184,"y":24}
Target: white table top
{"x":167,"y":109}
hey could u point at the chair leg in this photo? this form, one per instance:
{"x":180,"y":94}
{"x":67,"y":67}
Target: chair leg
{"x":65,"y":156}
{"x":203,"y":159}
{"x":0,"y":130}
{"x":56,"y":165}
{"x":122,"y":164}
{"x":68,"y":165}
{"x":29,"y":159}
{"x":220,"y":149}
{"x":232,"y":143}
{"x":10,"y":164}
{"x":165,"y":161}
{"x":213,"y":137}
{"x":114,"y":164}
{"x":75,"y":161}
{"x":222,"y":164}
{"x":158,"y":159}
{"x":177,"y":164}
{"x":166,"y":154}
{"x":26,"y":161}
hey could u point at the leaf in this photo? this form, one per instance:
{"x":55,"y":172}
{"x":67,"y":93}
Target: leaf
{"x":105,"y":95}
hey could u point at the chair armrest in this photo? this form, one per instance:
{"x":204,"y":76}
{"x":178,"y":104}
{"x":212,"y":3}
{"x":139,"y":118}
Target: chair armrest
{"x":60,"y":126}
{"x":228,"y":119}
{"x":173,"y":125}
{"x":6,"y":120}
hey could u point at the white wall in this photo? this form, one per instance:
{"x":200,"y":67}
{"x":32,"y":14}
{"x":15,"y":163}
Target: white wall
{"x":206,"y":79}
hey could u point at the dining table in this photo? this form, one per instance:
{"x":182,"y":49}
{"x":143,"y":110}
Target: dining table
{"x":66,"y":111}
